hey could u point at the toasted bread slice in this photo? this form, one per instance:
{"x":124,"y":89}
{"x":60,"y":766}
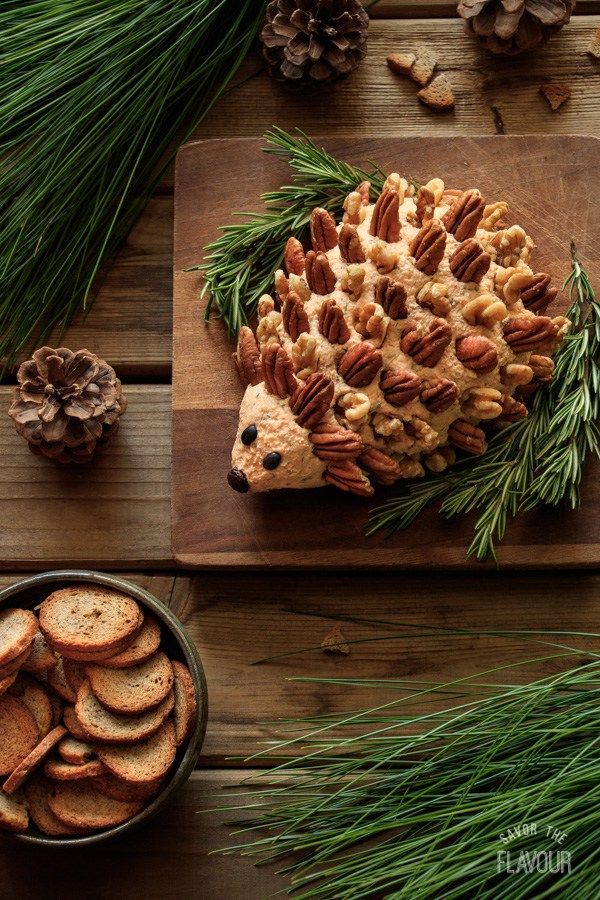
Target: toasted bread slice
{"x":18,"y":628}
{"x":99,"y":658}
{"x":102,"y":725}
{"x":57,"y":708}
{"x":18,"y":733}
{"x":41,"y":657}
{"x":118,"y":789}
{"x":135,"y":690}
{"x":148,"y":760}
{"x":36,"y":792}
{"x":184,"y":713}
{"x":64,"y":771}
{"x":75,"y":752}
{"x":73,"y":725}
{"x":79,"y":805}
{"x":143,"y":647}
{"x":15,"y":664}
{"x":74,"y":674}
{"x":7,"y":682}
{"x":13,"y":813}
{"x":27,"y":766}
{"x":57,"y":680}
{"x":89,"y":619}
{"x":36,"y":700}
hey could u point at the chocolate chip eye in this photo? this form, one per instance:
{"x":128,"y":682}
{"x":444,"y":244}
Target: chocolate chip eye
{"x":249,"y":435}
{"x":272,"y":460}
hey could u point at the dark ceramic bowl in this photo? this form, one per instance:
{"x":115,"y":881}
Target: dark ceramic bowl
{"x":176,"y":642}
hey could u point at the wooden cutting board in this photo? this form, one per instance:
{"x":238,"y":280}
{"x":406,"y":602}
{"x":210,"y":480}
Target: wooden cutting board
{"x":549,"y":182}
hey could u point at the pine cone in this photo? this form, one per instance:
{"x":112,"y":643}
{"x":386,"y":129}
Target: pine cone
{"x":314,"y":40}
{"x":526,"y":24}
{"x":66,"y":404}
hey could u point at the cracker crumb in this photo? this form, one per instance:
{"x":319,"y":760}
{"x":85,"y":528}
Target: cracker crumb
{"x":438,"y":95}
{"x":335,"y":642}
{"x":594,"y":45}
{"x":556,"y":94}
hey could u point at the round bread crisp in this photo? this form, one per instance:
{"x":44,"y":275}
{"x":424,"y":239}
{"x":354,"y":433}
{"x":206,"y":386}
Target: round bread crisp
{"x":73,"y":724}
{"x":5,"y":683}
{"x":135,"y":690}
{"x":15,"y":664}
{"x":18,"y":733}
{"x":103,"y":725}
{"x":33,"y":759}
{"x":41,"y":657}
{"x":74,"y":674}
{"x":148,"y":760}
{"x":18,"y":628}
{"x":143,"y":647}
{"x":184,"y":713}
{"x":118,"y":789}
{"x":89,"y":619}
{"x":13,"y":813}
{"x":57,"y":680}
{"x":79,"y":805}
{"x":75,"y":752}
{"x":57,"y":708}
{"x":64,"y":771}
{"x":99,"y":658}
{"x":36,"y":792}
{"x":36,"y":700}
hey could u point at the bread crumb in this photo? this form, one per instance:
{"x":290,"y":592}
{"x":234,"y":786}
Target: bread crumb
{"x":335,"y":642}
{"x":437,"y":95}
{"x":401,"y":63}
{"x":594,"y":45}
{"x":556,"y":94}
{"x":424,"y":65}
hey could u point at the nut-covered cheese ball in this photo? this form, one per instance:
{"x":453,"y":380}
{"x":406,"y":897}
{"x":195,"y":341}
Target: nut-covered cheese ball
{"x":394,"y":343}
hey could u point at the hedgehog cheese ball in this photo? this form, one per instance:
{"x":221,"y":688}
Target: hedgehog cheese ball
{"x":390,"y":343}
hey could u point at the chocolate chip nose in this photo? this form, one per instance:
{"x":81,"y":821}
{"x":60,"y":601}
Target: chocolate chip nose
{"x":238,"y":481}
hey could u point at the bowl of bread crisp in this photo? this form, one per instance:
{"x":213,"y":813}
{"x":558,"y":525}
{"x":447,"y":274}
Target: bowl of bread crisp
{"x":103,"y":707}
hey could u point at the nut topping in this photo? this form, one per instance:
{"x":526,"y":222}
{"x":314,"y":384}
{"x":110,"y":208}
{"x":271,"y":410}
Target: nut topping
{"x":319,"y":274}
{"x":293,"y":256}
{"x":426,"y":349}
{"x":295,"y":319}
{"x":485,"y":310}
{"x":382,"y":467}
{"x":469,"y":262}
{"x":323,"y":232}
{"x":400,"y":387}
{"x":383,"y":256}
{"x":477,"y":353}
{"x":432,"y":296}
{"x":311,"y":400}
{"x":360,"y":364}
{"x":363,"y":189}
{"x":391,"y":295}
{"x":512,"y":410}
{"x":532,"y":333}
{"x":537,"y":295}
{"x":542,"y":367}
{"x":425,"y":202}
{"x":305,"y":356}
{"x":385,"y":222}
{"x":332,"y":323}
{"x":333,"y":442}
{"x":354,"y":210}
{"x":247,"y":357}
{"x":465,"y":214}
{"x":439,"y":394}
{"x":427,"y":247}
{"x":467,"y":437}
{"x":346,"y":476}
{"x":371,"y":322}
{"x":351,"y":249}
{"x":482,"y":403}
{"x":352,"y":280}
{"x":278,"y":372}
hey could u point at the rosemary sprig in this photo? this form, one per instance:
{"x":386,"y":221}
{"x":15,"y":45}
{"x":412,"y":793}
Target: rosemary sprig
{"x":239,"y":265}
{"x":537,"y":460}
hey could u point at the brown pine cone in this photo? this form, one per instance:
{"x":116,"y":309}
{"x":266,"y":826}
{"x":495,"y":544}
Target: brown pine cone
{"x":360,"y":364}
{"x":464,"y":216}
{"x":426,"y":349}
{"x":427,"y":247}
{"x":467,"y":437}
{"x":469,"y":262}
{"x":439,"y":394}
{"x":351,"y":249}
{"x":293,"y":257}
{"x":477,"y":353}
{"x":278,"y":371}
{"x":247,"y":357}
{"x":382,"y":467}
{"x":333,"y":442}
{"x":533,"y":333}
{"x":319,"y":274}
{"x":400,"y":387}
{"x":311,"y":400}
{"x":391,"y":295}
{"x":295,"y":319}
{"x":323,"y":232}
{"x":346,"y":476}
{"x":538,"y":295}
{"x":332,"y":323}
{"x":385,"y":222}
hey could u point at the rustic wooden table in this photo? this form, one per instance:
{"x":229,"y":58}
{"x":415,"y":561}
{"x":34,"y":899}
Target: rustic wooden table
{"x":117,"y":515}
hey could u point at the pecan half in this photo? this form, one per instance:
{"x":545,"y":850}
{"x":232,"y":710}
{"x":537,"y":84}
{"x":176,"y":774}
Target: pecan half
{"x":385,"y":221}
{"x":247,"y":357}
{"x":477,"y":353}
{"x":333,"y":442}
{"x":465,"y":214}
{"x":537,"y":295}
{"x":323,"y":232}
{"x":426,"y":349}
{"x":391,"y":295}
{"x":512,"y":410}
{"x":363,"y":189}
{"x":439,"y":394}
{"x":467,"y":437}
{"x":469,"y":262}
{"x":400,"y":387}
{"x":319,"y":274}
{"x":382,"y":467}
{"x":311,"y":400}
{"x":346,"y":476}
{"x":332,"y":323}
{"x":425,"y":202}
{"x":542,"y":367}
{"x":351,"y":249}
{"x":278,"y":371}
{"x":360,"y":364}
{"x":293,"y":257}
{"x":533,"y":333}
{"x":432,"y":296}
{"x":427,"y":247}
{"x":295,"y":319}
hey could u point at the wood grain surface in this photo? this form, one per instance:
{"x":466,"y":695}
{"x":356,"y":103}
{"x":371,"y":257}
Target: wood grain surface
{"x":546,"y":182}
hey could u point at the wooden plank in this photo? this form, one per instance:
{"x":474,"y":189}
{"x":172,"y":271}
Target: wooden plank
{"x":168,"y":859}
{"x":213,"y":525}
{"x":113,"y":513}
{"x":425,"y":9}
